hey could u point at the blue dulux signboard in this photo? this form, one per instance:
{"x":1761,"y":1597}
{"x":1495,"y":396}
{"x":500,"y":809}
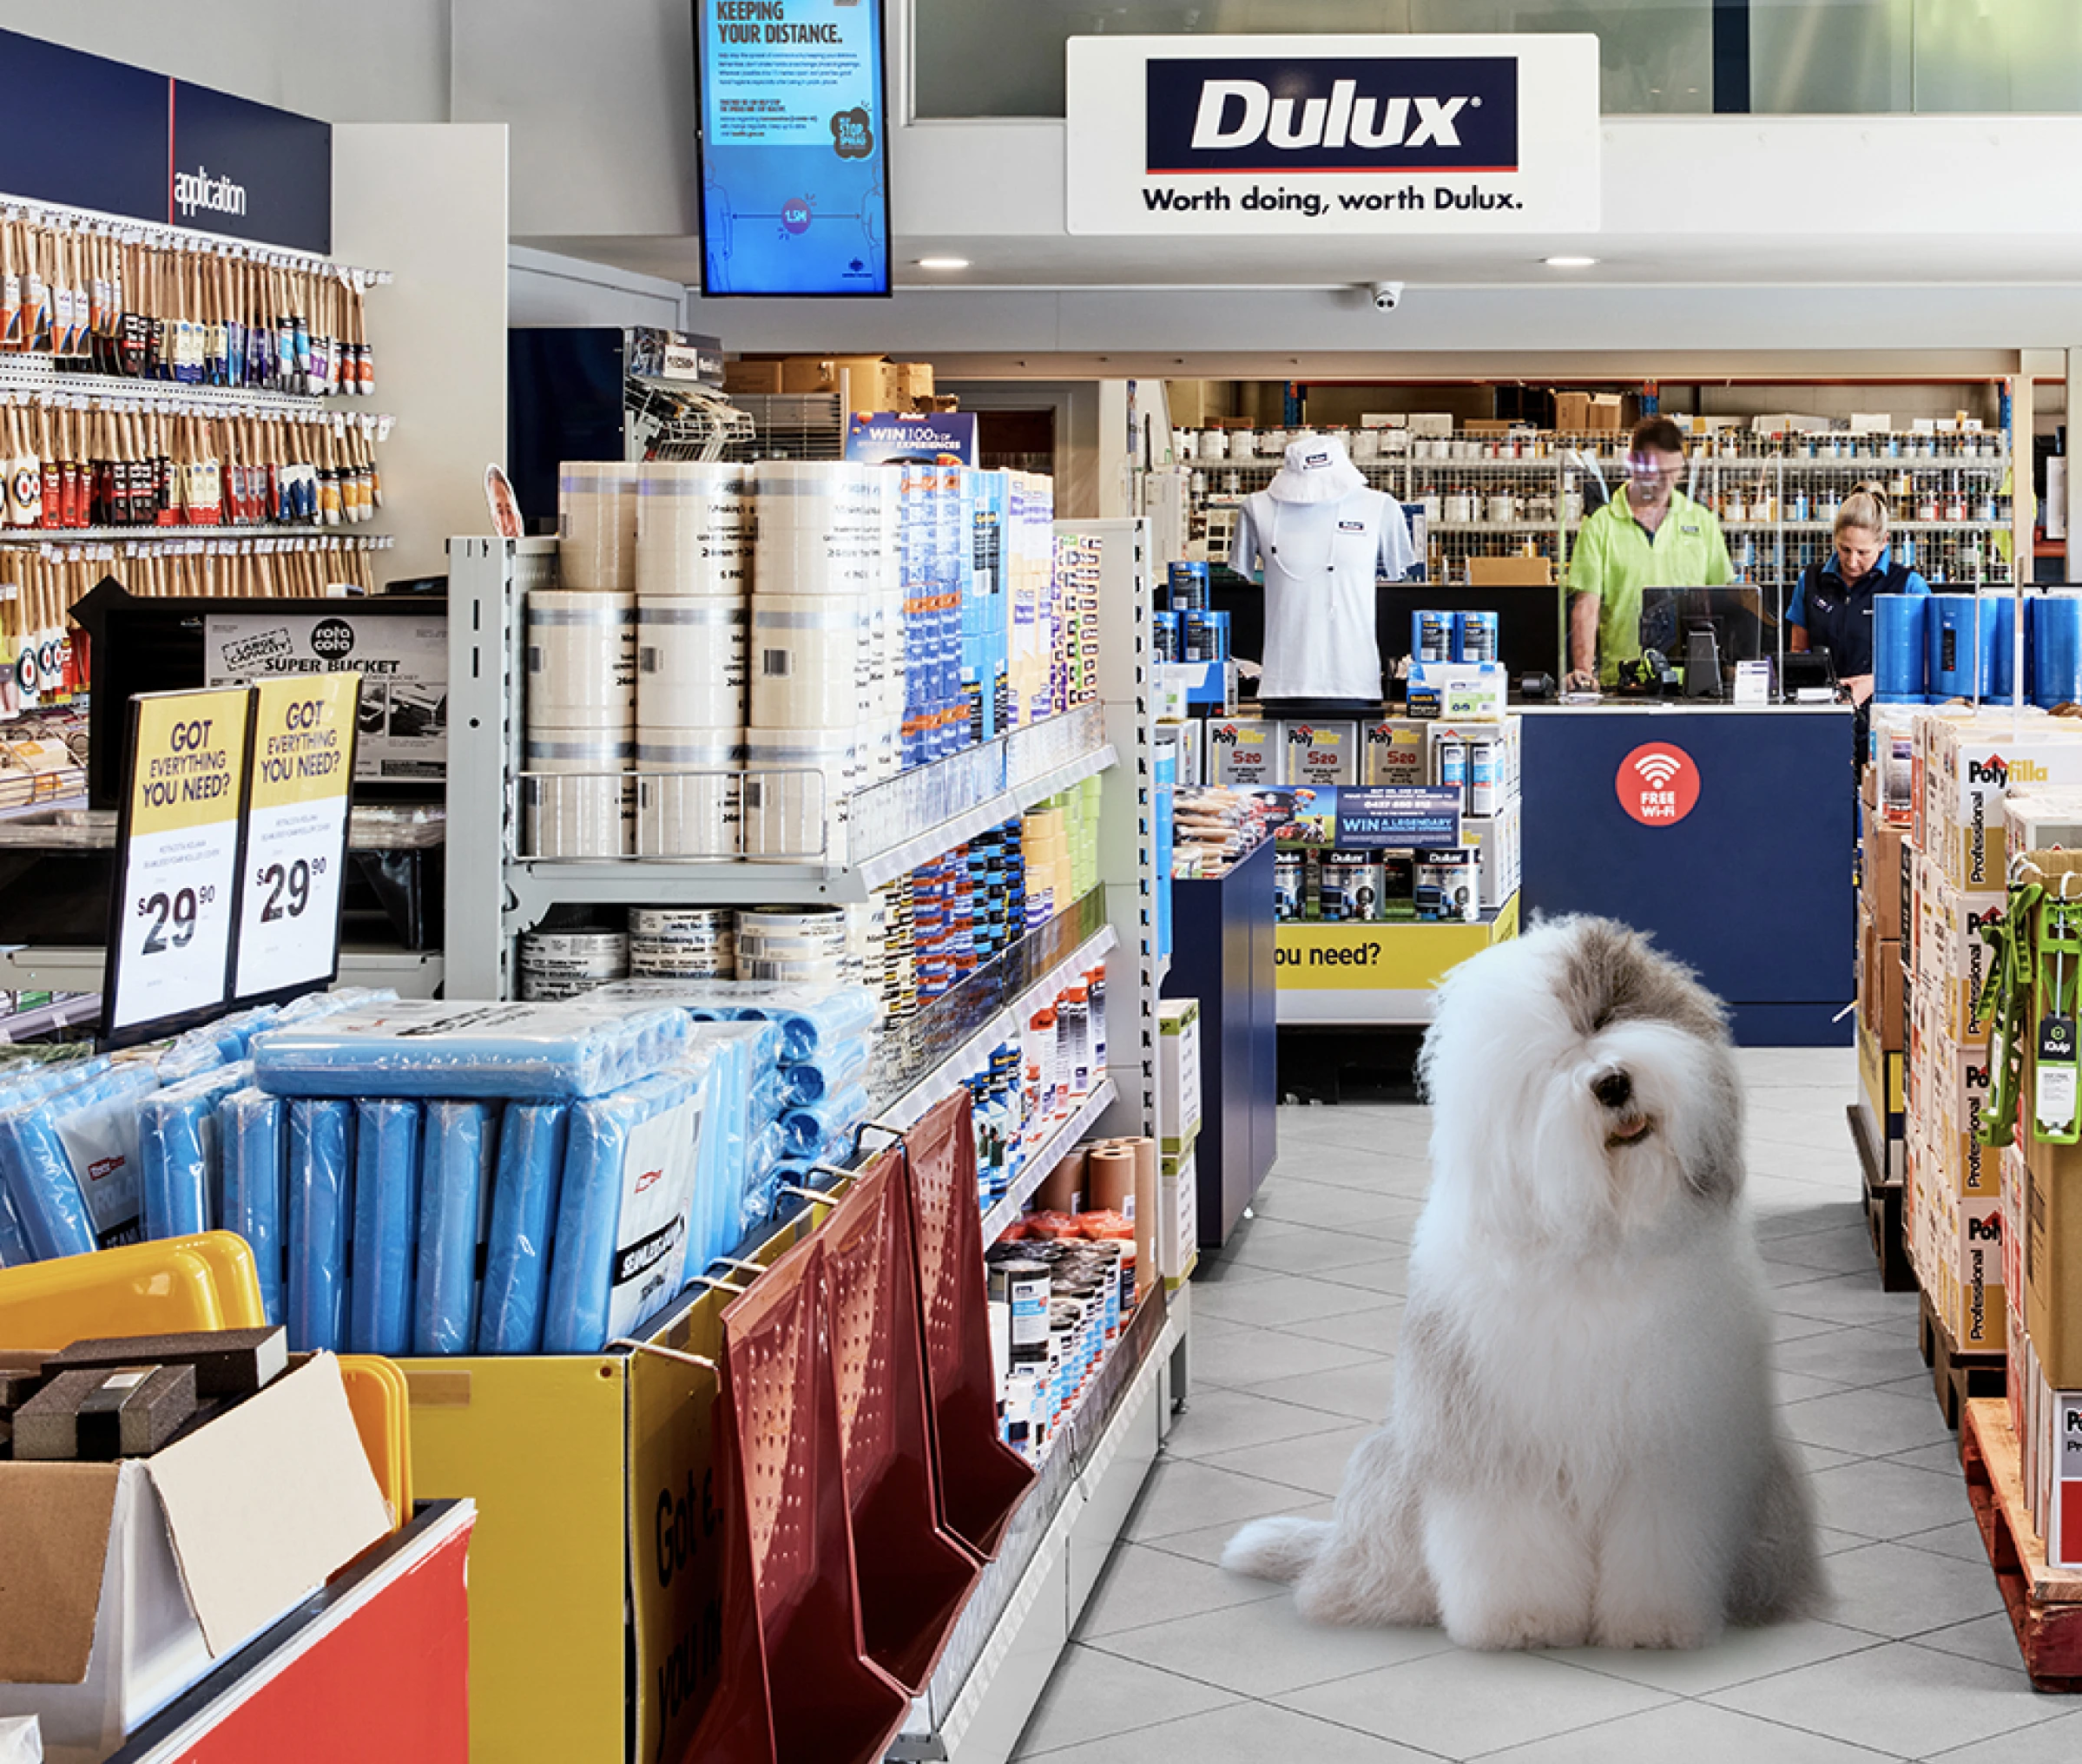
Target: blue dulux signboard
{"x":793,"y":148}
{"x":81,"y":131}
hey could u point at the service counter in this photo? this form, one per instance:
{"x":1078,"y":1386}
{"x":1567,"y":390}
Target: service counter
{"x":1727,"y":833}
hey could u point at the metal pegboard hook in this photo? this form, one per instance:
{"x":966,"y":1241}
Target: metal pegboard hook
{"x":664,"y":1352}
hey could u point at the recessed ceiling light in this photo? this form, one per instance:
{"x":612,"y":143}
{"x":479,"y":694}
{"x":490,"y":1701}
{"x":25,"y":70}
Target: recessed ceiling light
{"x":1569,"y":262}
{"x":943,"y":263}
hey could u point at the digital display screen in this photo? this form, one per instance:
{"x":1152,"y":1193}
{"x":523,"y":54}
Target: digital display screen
{"x":793,"y":151}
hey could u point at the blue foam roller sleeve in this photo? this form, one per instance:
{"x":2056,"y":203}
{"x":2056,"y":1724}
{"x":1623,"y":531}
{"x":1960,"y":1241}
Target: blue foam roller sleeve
{"x":14,"y":1242}
{"x":805,"y":1131}
{"x":420,"y":1048}
{"x":2057,"y":651}
{"x":808,"y":1083}
{"x":70,"y":1162}
{"x":810,"y":1019}
{"x":179,"y":1154}
{"x":1900,"y":648}
{"x":2001,"y":645}
{"x":321,"y":1217}
{"x":254,"y":1130}
{"x":523,"y":1208}
{"x":1960,"y":644}
{"x":621,"y":1217}
{"x":456,"y":1171}
{"x":386,"y":1214}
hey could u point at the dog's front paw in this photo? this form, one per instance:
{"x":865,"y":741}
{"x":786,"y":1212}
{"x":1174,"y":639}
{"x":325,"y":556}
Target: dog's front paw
{"x":1497,"y":1631}
{"x":1664,"y":1629}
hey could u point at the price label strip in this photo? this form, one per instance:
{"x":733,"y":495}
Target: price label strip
{"x":296,"y":840}
{"x":170,"y":940}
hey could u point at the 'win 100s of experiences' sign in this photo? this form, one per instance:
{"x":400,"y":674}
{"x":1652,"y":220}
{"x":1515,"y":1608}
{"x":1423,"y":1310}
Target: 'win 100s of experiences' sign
{"x":1333,"y":134}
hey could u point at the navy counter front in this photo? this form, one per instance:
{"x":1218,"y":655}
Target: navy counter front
{"x":1727,"y":832}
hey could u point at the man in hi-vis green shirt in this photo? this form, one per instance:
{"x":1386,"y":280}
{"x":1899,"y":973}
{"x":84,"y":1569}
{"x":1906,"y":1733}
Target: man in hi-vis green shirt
{"x":1650,"y":535}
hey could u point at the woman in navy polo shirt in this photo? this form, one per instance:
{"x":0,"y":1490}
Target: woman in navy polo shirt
{"x":1832,"y":608}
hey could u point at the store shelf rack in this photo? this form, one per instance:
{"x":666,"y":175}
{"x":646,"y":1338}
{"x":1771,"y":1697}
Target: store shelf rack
{"x":39,"y":377}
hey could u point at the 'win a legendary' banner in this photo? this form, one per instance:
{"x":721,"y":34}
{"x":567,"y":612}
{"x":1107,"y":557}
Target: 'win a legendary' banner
{"x":1330,"y":135}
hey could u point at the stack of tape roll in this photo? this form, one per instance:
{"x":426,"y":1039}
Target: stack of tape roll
{"x":797,"y":792}
{"x":867,"y":945}
{"x":597,"y":525}
{"x":689,"y":792}
{"x":563,"y":964}
{"x":694,"y":530}
{"x":819,"y":527}
{"x":576,"y":802}
{"x":682,"y":942}
{"x":795,"y":945}
{"x":900,"y":983}
{"x":690,"y":662}
{"x":811,"y":663}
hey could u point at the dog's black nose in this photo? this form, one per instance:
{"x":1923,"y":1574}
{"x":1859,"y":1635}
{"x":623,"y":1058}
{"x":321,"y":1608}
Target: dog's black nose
{"x":1613,"y":1089}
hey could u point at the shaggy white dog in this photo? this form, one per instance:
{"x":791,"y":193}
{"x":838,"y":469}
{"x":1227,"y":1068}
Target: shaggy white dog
{"x":1581,"y":1446}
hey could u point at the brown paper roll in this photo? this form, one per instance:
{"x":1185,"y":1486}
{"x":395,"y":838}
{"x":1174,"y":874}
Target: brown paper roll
{"x":1063,"y":1190}
{"x":1109,"y":1181}
{"x":1147,"y":1191}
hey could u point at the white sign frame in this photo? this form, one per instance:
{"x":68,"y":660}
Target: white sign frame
{"x":1553,"y":186}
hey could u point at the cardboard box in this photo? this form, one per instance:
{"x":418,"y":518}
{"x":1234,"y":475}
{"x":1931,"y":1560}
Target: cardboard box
{"x":1879,"y":988}
{"x":1433,"y":423}
{"x":752,"y":376}
{"x":1497,"y":572}
{"x":871,"y":382}
{"x":1178,"y":1095}
{"x":1884,"y":845}
{"x":1244,"y":753}
{"x":1575,"y":412}
{"x":1393,"y":752}
{"x":1178,"y":1212}
{"x":122,"y":1584}
{"x":2041,"y":821}
{"x":914,"y":378}
{"x":1321,"y":753}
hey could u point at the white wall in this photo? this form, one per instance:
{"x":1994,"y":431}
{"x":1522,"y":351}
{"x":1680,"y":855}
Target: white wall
{"x":543,"y":287}
{"x":428,"y":202}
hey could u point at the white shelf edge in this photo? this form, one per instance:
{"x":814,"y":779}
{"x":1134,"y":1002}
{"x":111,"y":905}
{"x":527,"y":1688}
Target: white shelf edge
{"x":1015,"y":799}
{"x":167,"y":535}
{"x":929,"y":1089}
{"x":39,"y":374}
{"x":1044,"y":1157}
{"x":64,"y":1014}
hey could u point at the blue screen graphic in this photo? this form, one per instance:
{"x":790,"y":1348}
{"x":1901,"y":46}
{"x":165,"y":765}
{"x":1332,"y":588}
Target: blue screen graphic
{"x":795,"y":190}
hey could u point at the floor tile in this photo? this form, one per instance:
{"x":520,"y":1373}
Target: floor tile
{"x":1217,"y":1419}
{"x":1852,"y":1299}
{"x":1859,"y":1357}
{"x":1382,"y":1276}
{"x":1900,"y":1698}
{"x":1206,"y":1543}
{"x":1739,"y":1657}
{"x":1360,"y":1392}
{"x":1143,"y":1585}
{"x":1269,"y":1355}
{"x":2057,"y":1742}
{"x":1892,"y":1591}
{"x":1316,"y":1463}
{"x":1092,"y":1694}
{"x":1184,"y":1495}
{"x":1265,"y":1297}
{"x":1374,"y":1322}
{"x":1866,"y":1421}
{"x":1942,"y":1458}
{"x":1242,"y":1733}
{"x":1961,"y":1540}
{"x":1697,"y":1733}
{"x":1884,"y":1500}
{"x":1990,"y":1639}
{"x":1263,"y":1649}
{"x":1303,"y":1249}
{"x":1460,"y":1705}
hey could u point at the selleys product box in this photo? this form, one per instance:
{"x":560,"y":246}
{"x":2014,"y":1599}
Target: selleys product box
{"x":1393,"y":752}
{"x":1244,"y":753}
{"x":1321,"y":753}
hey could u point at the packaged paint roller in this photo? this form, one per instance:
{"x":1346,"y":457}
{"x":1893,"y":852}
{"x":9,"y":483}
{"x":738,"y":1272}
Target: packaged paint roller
{"x":806,"y":668}
{"x":596,"y":526}
{"x":178,"y":1168}
{"x":253,"y":1129}
{"x":213,"y":1044}
{"x":321,"y":1215}
{"x":14,"y":1242}
{"x":694,"y":529}
{"x":458,"y":1166}
{"x":805,"y":1132}
{"x":621,"y":1240}
{"x":809,"y":1022}
{"x":2056,"y":648}
{"x":425,"y":1048}
{"x":1960,"y":646}
{"x":386,"y":1214}
{"x":691,"y":663}
{"x":806,"y":1083}
{"x":581,"y":662}
{"x":689,"y":793}
{"x":1900,"y":644}
{"x":523,"y":1208}
{"x":2002,"y":648}
{"x":767,"y":1154}
{"x":70,"y":1162}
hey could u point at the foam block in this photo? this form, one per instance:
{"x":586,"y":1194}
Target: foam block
{"x":420,"y":1048}
{"x":386,"y":1214}
{"x":253,"y":1130}
{"x":321,"y":1212}
{"x":69,"y":1161}
{"x":622,"y":1217}
{"x":523,"y":1208}
{"x":179,"y":1166}
{"x":457,"y":1168}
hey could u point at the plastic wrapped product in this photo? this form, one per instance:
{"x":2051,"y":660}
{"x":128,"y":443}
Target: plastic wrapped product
{"x":321,"y":1214}
{"x":179,"y":1153}
{"x":805,"y":1132}
{"x":419,"y":1048}
{"x":40,"y":1079}
{"x":214,"y":1044}
{"x":69,"y":1161}
{"x":14,"y":1242}
{"x":810,"y":1019}
{"x":621,"y":1217}
{"x":715,"y":1209}
{"x":807,"y":1082}
{"x":253,"y":1129}
{"x":456,"y":1172}
{"x":386,"y":1214}
{"x":523,"y":1207}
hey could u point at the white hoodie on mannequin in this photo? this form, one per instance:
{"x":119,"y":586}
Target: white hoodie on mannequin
{"x":1323,"y":539}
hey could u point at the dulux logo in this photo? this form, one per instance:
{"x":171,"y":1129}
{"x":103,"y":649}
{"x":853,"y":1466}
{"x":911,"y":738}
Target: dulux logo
{"x":1393,"y":113}
{"x":198,"y":190}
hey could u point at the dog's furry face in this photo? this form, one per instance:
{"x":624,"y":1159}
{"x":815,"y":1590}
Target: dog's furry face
{"x":1583,"y":1088}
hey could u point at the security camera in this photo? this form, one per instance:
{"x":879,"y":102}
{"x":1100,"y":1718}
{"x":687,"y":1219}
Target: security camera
{"x":1386,"y":295}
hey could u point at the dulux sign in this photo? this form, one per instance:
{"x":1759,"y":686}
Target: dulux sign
{"x":1327,"y":136}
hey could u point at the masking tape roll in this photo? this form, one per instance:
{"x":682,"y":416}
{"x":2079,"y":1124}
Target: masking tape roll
{"x":690,"y":662}
{"x":689,"y":793}
{"x":798,"y":783}
{"x":581,"y":656}
{"x":597,"y":525}
{"x":807,"y":661}
{"x":577,"y":799}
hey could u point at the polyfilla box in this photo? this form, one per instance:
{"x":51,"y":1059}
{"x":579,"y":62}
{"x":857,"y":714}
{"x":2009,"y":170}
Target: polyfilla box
{"x":1321,"y":753}
{"x":1394,"y":751}
{"x":1244,"y":753}
{"x":1178,"y":1037}
{"x":1977,"y":764}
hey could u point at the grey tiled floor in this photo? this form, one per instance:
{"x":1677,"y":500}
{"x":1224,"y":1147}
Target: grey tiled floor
{"x":1294,"y":1352}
